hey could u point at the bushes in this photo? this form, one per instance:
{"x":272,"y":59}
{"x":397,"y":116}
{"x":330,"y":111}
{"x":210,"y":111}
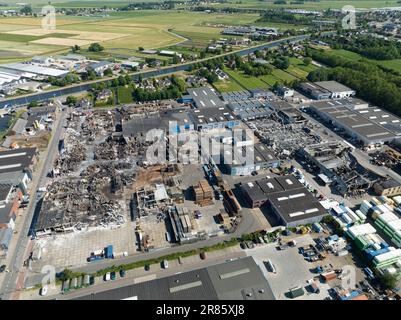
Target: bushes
{"x":173,"y":256}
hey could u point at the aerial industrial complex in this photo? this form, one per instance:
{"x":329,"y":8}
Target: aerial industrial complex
{"x":248,"y":167}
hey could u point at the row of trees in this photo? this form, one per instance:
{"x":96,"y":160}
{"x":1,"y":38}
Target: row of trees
{"x":378,"y":86}
{"x":368,"y":46}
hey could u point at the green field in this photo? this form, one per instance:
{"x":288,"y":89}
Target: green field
{"x":391,"y":64}
{"x":227,"y":86}
{"x":124,"y":95}
{"x":239,"y":81}
{"x":151,"y":29}
{"x":245,"y":81}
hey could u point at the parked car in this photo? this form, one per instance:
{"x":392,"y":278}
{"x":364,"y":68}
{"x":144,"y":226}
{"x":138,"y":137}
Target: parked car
{"x":2,"y":268}
{"x":147,"y":267}
{"x":202,"y":255}
{"x":122,"y":273}
{"x":43,"y":291}
{"x":107,"y":276}
{"x":165,"y":264}
{"x":242,"y":245}
{"x":92,"y":280}
{"x":113,"y":275}
{"x":250,"y":244}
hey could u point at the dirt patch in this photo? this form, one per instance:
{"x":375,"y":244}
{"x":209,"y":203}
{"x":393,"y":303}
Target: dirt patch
{"x":8,"y":53}
{"x":62,"y":41}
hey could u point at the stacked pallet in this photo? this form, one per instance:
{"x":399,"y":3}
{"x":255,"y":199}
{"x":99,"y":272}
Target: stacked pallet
{"x":203,"y":193}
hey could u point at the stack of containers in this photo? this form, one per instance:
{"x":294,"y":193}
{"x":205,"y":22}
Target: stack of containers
{"x":365,"y":207}
{"x":388,"y":258}
{"x":360,"y":230}
{"x":397,"y":201}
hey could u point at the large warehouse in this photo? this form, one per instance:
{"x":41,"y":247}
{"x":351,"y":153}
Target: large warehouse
{"x":205,"y":119}
{"x":240,"y":279}
{"x":263,"y":158}
{"x":288,"y":199}
{"x":359,"y":123}
{"x":204,"y":97}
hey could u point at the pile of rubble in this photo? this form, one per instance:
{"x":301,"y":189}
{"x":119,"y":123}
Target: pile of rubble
{"x":284,"y":139}
{"x":77,"y":203}
{"x":74,"y":152}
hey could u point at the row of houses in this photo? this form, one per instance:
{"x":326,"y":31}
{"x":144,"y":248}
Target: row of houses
{"x":16,"y":168}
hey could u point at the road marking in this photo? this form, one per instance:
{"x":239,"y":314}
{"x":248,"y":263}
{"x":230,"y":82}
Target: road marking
{"x":145,"y":278}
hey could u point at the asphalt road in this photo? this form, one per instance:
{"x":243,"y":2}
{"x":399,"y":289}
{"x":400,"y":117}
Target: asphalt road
{"x":15,"y":265}
{"x":73,"y":89}
{"x":122,"y":282}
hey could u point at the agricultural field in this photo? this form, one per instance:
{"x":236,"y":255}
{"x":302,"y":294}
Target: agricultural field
{"x":239,"y":81}
{"x":309,"y":5}
{"x":391,"y":64}
{"x":119,"y":32}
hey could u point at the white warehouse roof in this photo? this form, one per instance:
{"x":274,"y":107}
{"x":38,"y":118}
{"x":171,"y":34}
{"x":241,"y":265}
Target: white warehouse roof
{"x":35,"y":69}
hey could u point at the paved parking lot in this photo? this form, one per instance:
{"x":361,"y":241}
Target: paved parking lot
{"x":292,"y":269}
{"x":72,"y":250}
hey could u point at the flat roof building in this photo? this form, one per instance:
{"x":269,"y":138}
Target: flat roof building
{"x":174,"y":121}
{"x":17,"y":159}
{"x":35,"y":69}
{"x":337,"y":90}
{"x":353,"y":122}
{"x":240,"y":279}
{"x":314,"y":91}
{"x":262,"y":158}
{"x":206,"y":119}
{"x":288,"y":199}
{"x":205,"y":97}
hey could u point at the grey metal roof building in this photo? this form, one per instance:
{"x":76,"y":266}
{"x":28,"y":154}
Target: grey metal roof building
{"x":239,"y":279}
{"x":212,"y":118}
{"x":16,"y":160}
{"x":205,"y":97}
{"x":248,"y":108}
{"x":35,"y":69}
{"x":288,"y":199}
{"x":176,"y":120}
{"x":314,"y":91}
{"x":259,"y":158}
{"x":337,"y":89}
{"x":362,"y":128}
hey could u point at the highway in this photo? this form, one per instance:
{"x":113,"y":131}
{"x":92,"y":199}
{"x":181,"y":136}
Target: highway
{"x":76,"y":88}
{"x":15,"y":263}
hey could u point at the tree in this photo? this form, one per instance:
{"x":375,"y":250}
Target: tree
{"x":307,"y":61}
{"x":389,"y":281}
{"x":95,"y":47}
{"x":281,"y":62}
{"x":108,"y":72}
{"x":27,"y":10}
{"x":71,"y":100}
{"x":33,"y":104}
{"x":65,"y":274}
{"x":75,"y":48}
{"x":141,"y":48}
